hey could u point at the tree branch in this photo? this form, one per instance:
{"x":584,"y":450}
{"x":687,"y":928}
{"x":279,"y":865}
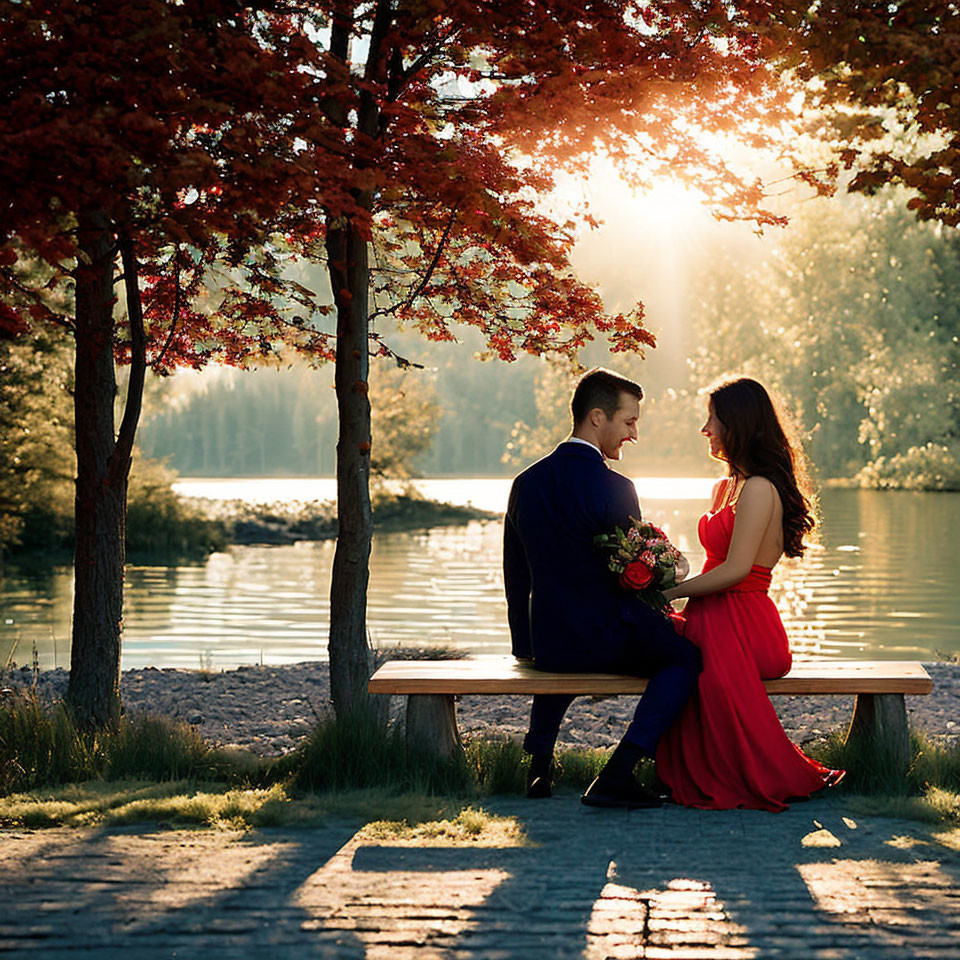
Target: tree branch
{"x":421,"y":286}
{"x":177,"y":304}
{"x":384,"y":351}
{"x":60,"y":319}
{"x":120,"y":460}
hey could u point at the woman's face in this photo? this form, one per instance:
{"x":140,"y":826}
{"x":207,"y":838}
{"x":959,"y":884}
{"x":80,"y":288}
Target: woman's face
{"x":713,"y":431}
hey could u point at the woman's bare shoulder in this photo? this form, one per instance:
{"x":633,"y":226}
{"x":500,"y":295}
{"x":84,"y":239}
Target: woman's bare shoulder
{"x":758,"y":483}
{"x":758,"y":492}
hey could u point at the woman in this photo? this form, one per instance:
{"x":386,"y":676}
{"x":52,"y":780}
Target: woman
{"x":727,"y":748}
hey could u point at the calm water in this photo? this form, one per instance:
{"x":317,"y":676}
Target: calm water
{"x":881,"y":583}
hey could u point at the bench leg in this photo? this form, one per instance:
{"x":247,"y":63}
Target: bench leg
{"x":432,"y":724}
{"x":880,"y":723}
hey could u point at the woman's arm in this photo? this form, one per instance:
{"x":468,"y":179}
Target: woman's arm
{"x":754,"y":511}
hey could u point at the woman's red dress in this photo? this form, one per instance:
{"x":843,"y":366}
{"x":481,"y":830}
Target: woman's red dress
{"x":727,"y":748}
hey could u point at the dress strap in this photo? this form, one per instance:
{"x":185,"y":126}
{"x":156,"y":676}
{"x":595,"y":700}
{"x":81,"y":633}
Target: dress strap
{"x":729,"y":495}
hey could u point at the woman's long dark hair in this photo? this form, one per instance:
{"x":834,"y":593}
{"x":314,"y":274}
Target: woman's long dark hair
{"x":754,"y":443}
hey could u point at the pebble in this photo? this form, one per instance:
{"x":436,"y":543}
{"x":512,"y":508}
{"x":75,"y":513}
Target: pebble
{"x":269,"y":709}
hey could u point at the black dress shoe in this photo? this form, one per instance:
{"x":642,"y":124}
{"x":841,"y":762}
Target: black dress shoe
{"x":538,"y":776}
{"x":662,"y":790}
{"x":623,"y":794}
{"x":538,"y":788}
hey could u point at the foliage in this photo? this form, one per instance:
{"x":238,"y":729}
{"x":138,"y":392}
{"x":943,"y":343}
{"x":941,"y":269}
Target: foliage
{"x":160,"y":524}
{"x":405,"y":412}
{"x":886,"y":93}
{"x":282,"y":420}
{"x":190,"y":151}
{"x":930,"y":467}
{"x":36,"y":459}
{"x":37,"y":467}
{"x":553,"y":387}
{"x":852,"y":316}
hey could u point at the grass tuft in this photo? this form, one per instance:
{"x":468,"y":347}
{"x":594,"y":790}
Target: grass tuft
{"x":40,"y":745}
{"x":359,"y":751}
{"x":469,"y":827}
{"x":871,"y":771}
{"x":498,"y":764}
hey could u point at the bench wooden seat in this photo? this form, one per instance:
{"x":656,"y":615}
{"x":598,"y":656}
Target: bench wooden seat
{"x":431,"y":685}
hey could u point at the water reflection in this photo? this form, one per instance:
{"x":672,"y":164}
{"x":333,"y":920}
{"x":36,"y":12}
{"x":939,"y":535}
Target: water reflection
{"x":879,"y":584}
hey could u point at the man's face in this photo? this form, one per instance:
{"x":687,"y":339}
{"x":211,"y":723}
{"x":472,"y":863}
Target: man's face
{"x":620,"y":428}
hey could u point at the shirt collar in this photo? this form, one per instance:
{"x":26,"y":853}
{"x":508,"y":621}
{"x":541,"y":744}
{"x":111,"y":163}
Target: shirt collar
{"x":587,"y":443}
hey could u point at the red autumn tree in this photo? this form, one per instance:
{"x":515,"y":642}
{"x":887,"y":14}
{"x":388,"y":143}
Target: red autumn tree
{"x":883,"y":83}
{"x":150,"y":162}
{"x":185,"y":152}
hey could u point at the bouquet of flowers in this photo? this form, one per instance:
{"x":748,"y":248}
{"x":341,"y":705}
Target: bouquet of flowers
{"x":645,"y":561}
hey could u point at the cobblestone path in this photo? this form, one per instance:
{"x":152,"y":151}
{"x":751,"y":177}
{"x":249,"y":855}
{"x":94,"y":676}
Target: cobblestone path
{"x":814,"y":882}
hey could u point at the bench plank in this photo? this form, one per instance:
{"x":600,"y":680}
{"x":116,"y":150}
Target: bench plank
{"x":494,"y":675}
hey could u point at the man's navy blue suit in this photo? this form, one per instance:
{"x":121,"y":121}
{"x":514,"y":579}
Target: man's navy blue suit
{"x":566,"y":609}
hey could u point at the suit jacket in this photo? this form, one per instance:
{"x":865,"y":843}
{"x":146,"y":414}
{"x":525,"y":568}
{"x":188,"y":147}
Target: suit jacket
{"x":565,"y":607}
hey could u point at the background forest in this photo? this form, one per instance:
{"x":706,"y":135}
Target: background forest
{"x":852,"y":313}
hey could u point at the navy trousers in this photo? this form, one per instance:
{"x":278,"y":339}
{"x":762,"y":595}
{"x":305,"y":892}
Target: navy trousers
{"x":672,"y":663}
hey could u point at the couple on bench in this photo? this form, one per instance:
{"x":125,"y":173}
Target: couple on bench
{"x":705,"y":717}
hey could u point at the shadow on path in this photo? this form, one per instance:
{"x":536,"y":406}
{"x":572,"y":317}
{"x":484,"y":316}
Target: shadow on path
{"x":811,"y":883}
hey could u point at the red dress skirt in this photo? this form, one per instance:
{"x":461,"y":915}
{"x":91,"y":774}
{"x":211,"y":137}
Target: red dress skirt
{"x":727,"y":748}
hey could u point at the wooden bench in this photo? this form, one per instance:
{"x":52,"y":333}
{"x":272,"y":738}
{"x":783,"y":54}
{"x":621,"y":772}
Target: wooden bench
{"x":879,"y":715}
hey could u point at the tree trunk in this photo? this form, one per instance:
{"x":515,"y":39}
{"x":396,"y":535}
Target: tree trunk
{"x":349,"y":268}
{"x":100,"y":504}
{"x":350,"y":657}
{"x":103,"y":468}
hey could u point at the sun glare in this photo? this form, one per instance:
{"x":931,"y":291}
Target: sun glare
{"x":666,"y":210}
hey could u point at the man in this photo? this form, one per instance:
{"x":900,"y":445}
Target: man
{"x":568,"y":612}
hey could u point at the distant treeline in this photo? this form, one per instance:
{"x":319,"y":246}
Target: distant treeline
{"x":283,"y":421}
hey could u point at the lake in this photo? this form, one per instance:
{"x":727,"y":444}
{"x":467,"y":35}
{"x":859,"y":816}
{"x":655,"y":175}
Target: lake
{"x":880,"y":584}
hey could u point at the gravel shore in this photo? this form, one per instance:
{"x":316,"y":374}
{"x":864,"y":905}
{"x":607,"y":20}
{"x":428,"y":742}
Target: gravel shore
{"x":269,"y":709}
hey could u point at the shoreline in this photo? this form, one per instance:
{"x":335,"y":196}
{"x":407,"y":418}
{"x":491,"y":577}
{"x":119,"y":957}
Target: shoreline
{"x":268,"y":710}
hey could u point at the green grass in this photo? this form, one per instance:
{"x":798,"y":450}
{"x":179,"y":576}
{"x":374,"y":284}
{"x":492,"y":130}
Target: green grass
{"x":174,"y":802}
{"x":40,"y":745}
{"x":471,"y":825}
{"x":499,"y":765}
{"x":929,"y":793}
{"x":359,"y":751}
{"x":387,"y":816}
{"x":871,"y":771}
{"x":157,"y":769}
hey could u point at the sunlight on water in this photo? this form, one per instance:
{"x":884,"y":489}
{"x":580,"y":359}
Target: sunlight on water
{"x":485,"y":494}
{"x":879,"y":584}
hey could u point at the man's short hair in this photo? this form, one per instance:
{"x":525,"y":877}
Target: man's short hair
{"x":601,"y":388}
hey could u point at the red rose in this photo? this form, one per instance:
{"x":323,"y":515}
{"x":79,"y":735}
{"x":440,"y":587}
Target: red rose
{"x":636,"y":575}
